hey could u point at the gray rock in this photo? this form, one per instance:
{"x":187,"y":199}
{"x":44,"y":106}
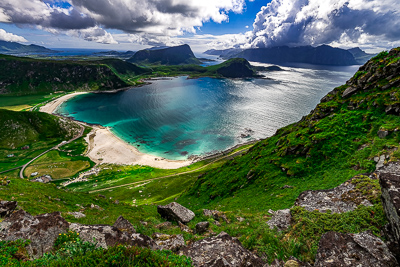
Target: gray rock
{"x":382,"y":134}
{"x":169,"y":242}
{"x":221,"y":250}
{"x":42,"y":230}
{"x":340,"y":199}
{"x":7,"y":207}
{"x":281,"y":219}
{"x":240,"y":219}
{"x":184,"y":228}
{"x":175,"y":212}
{"x":380,"y":161}
{"x":390,"y":186}
{"x":163,"y":225}
{"x":77,"y":214}
{"x":364,"y":249}
{"x":124,"y":225}
{"x":105,"y":236}
{"x":349,"y":91}
{"x":217,"y":215}
{"x":202,"y":227}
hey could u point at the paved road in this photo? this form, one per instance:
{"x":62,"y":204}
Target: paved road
{"x":172,"y":175}
{"x":21,"y":173}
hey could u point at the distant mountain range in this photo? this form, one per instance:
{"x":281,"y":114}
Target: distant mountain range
{"x":321,"y":55}
{"x":17,"y":48}
{"x":177,"y":55}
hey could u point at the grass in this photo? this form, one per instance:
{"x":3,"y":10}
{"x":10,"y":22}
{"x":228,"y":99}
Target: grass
{"x":19,"y":103}
{"x":58,"y":165}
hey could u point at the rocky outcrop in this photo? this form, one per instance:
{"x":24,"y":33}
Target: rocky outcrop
{"x":390,"y":186}
{"x":280,"y":219}
{"x":169,"y":242}
{"x":363,"y":249}
{"x":202,"y":227}
{"x":124,"y":225}
{"x":105,"y":236}
{"x":221,"y":250}
{"x":372,"y":75}
{"x":340,"y":199}
{"x":42,"y":230}
{"x":7,"y":207}
{"x":176,"y":212}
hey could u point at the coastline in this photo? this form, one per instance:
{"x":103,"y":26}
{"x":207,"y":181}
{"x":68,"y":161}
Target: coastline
{"x":53,"y":105}
{"x":105,"y":147}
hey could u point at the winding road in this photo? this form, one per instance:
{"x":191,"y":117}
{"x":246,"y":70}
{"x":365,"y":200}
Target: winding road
{"x":21,"y":173}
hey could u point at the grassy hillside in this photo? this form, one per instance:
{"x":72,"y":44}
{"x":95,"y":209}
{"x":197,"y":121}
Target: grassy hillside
{"x":22,"y":128}
{"x":22,"y":76}
{"x":339,"y":139}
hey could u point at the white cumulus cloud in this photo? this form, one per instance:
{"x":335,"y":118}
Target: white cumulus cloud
{"x":315,"y":22}
{"x":9,"y":37}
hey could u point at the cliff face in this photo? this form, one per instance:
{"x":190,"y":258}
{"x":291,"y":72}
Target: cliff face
{"x":177,"y":55}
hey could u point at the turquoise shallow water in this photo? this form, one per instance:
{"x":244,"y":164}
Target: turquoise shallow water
{"x":178,"y":117}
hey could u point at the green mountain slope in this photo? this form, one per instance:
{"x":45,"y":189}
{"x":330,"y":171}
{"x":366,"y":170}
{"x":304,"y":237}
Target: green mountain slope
{"x":21,"y":128}
{"x":19,"y":76}
{"x":336,"y":141}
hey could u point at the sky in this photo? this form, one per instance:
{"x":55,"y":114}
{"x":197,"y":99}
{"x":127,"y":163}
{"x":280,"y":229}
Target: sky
{"x":373,"y":25}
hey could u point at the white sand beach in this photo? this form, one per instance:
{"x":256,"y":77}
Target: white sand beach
{"x":52,"y":106}
{"x":105,"y":147}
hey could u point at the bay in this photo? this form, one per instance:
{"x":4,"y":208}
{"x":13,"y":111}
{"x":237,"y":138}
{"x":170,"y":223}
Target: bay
{"x":178,"y":117}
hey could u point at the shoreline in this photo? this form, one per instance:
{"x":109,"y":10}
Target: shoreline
{"x":106,"y":147}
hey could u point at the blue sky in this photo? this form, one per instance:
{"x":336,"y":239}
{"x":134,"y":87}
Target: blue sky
{"x":203,"y":24}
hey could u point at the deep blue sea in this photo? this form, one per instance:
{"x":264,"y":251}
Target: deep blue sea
{"x":178,"y":117}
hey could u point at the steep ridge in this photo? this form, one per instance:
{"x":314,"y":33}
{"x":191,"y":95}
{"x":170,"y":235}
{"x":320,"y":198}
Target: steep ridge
{"x":177,"y":55}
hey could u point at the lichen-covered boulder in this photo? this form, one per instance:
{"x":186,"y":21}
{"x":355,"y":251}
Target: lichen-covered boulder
{"x":280,"y":219}
{"x":105,"y":236}
{"x":363,"y":249}
{"x":169,"y":242}
{"x":340,"y":199}
{"x":390,"y":186}
{"x":124,"y":225}
{"x":176,"y":212}
{"x":7,"y":207}
{"x":42,"y":230}
{"x":221,"y":250}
